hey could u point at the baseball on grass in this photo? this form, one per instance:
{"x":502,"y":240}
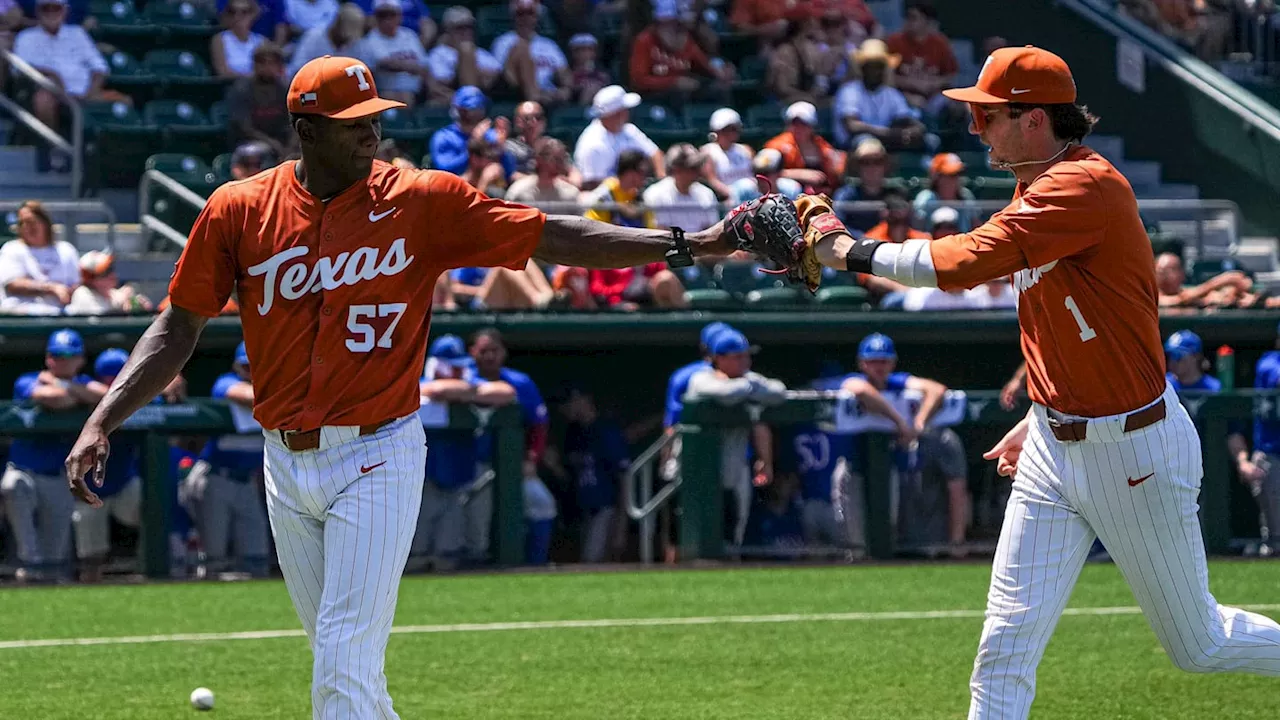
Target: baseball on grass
{"x":202,"y":698}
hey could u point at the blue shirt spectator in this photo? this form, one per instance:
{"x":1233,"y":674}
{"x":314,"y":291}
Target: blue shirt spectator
{"x":412,"y":12}
{"x":449,"y":144}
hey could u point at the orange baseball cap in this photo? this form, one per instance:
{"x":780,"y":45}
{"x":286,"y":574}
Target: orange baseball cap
{"x":1021,"y":75}
{"x":946,"y":164}
{"x":336,"y":87}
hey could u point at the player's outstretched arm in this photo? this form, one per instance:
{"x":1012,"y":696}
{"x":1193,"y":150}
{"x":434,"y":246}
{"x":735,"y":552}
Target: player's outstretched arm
{"x":577,"y":241}
{"x":161,"y":352}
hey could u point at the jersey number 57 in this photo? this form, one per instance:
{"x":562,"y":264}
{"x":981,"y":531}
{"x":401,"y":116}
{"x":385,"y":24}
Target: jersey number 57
{"x":365,"y":333}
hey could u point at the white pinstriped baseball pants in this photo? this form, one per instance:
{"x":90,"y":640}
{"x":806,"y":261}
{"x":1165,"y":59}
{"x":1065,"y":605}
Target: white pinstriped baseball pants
{"x":1064,"y":494}
{"x":342,"y":537}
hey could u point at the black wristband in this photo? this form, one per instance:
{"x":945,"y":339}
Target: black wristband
{"x":858,"y":259}
{"x":681,"y":255}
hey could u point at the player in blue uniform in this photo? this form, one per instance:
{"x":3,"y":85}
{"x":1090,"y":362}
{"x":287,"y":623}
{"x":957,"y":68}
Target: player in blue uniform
{"x":595,"y":457}
{"x":449,"y":376}
{"x":121,"y":490}
{"x":774,"y":528}
{"x":1264,"y":466}
{"x":490,"y":355}
{"x":232,"y":502}
{"x":34,"y":484}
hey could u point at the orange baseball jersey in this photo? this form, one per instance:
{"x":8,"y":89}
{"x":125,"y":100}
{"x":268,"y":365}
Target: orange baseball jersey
{"x":1084,"y":273}
{"x":335,"y":298}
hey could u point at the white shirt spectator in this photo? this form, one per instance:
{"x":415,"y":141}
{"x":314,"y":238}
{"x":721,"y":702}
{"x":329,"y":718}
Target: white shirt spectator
{"x":547,"y":56}
{"x":443,"y":61}
{"x":87,"y":302}
{"x":597,"y":149}
{"x":527,"y":191}
{"x":995,"y":295}
{"x":71,"y":54}
{"x":239,"y":53}
{"x":733,"y":164}
{"x":316,"y":43}
{"x":58,"y":262}
{"x":934,"y":299}
{"x":692,"y":211}
{"x":308,"y":14}
{"x":377,"y":47}
{"x":879,"y":108}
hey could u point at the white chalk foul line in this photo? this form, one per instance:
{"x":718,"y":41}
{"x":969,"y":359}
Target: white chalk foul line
{"x":570,"y":625}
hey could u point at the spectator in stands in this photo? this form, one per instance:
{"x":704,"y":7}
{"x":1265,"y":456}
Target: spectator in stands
{"x":730,"y":381}
{"x":449,"y":377}
{"x":1201,"y":26}
{"x":615,"y":202}
{"x":1221,"y":290}
{"x":389,"y":152}
{"x":802,"y":65}
{"x":547,"y":184}
{"x":121,"y":490}
{"x":231,"y":498}
{"x":944,"y":221}
{"x":302,"y":16}
{"x":991,"y":295}
{"x":895,"y":222}
{"x":847,"y":24}
{"x":869,"y":105}
{"x":100,"y":292}
{"x":270,"y":21}
{"x":34,"y":486}
{"x":456,"y":61}
{"x":449,"y":144}
{"x":250,"y":159}
{"x":484,"y":166}
{"x":866,"y":183}
{"x":530,"y":122}
{"x":946,"y":175}
{"x":501,"y":289}
{"x":395,"y":54}
{"x":766,"y":19}
{"x":587,"y":77}
{"x":11,"y":21}
{"x":257,"y":104}
{"x":807,"y":157}
{"x":775,"y":526}
{"x":490,"y":354}
{"x":37,"y":272}
{"x":679,"y":200}
{"x":668,"y":66}
{"x":532,"y":65}
{"x":728,"y":160}
{"x":68,"y":57}
{"x":766,"y":164}
{"x":595,"y":456}
{"x":927,"y":64}
{"x":340,"y":37}
{"x":609,"y":135}
{"x":231,"y":50}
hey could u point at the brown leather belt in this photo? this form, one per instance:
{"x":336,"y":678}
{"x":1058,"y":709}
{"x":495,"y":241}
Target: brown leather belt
{"x":300,"y":440}
{"x":1075,"y":431}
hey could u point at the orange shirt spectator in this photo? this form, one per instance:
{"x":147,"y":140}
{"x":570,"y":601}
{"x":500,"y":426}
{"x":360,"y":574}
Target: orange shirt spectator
{"x":807,"y":157}
{"x":655,"y":68}
{"x":767,"y":19}
{"x":884,"y":233}
{"x":926,"y":61}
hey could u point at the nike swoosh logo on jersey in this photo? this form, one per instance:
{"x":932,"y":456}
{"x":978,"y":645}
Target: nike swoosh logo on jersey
{"x":375,"y":218}
{"x":1139,"y":481}
{"x":1015,"y":91}
{"x":370,"y":468}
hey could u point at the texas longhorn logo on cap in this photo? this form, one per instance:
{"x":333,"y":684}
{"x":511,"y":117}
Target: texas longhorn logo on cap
{"x":341,"y":88}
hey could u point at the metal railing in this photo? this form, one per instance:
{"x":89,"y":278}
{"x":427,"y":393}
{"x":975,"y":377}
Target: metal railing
{"x":71,"y":208}
{"x":643,"y":466}
{"x":151,"y":223}
{"x":74,"y":147}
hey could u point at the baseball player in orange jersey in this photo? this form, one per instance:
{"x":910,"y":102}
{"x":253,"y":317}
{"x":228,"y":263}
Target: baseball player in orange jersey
{"x":334,"y":258}
{"x":1106,"y":450}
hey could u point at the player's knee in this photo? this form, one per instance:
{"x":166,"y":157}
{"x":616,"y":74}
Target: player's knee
{"x":1196,"y":660}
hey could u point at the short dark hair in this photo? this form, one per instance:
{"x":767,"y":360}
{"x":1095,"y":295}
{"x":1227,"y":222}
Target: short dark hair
{"x":924,"y":7}
{"x":632,"y":160}
{"x":1069,"y":121}
{"x":492,"y":333}
{"x":896,"y":200}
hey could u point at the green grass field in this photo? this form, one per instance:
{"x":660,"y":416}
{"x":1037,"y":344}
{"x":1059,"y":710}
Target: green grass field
{"x":804,"y":666}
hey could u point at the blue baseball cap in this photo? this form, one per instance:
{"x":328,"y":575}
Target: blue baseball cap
{"x":470,"y":97}
{"x":450,"y":349}
{"x":1182,"y":344}
{"x":876,"y":346}
{"x":729,"y":342}
{"x":709,"y":332}
{"x":65,"y":343}
{"x":110,"y":362}
{"x":242,"y":355}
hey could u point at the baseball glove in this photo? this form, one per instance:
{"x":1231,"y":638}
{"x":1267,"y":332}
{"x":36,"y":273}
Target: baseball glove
{"x":775,"y":229}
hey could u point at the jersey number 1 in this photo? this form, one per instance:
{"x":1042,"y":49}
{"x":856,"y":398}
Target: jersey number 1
{"x":1086,"y":333}
{"x":365,"y":333}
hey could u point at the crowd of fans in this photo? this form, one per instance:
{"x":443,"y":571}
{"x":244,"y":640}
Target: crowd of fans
{"x":1214,"y":30}
{"x":794,"y":491}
